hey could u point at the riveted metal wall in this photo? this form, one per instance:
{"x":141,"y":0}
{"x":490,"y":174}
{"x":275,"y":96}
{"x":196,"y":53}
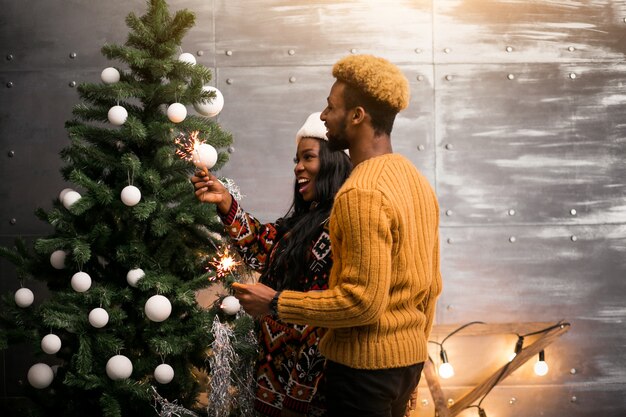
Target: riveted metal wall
{"x":516,"y":116}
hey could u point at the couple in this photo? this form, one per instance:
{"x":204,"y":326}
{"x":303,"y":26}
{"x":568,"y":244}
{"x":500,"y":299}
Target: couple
{"x":376,"y":291}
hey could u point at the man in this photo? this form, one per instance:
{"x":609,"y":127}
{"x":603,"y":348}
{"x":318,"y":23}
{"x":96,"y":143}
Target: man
{"x":383,"y":286}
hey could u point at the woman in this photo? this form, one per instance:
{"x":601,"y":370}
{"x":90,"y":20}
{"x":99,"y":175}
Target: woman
{"x":292,"y":253}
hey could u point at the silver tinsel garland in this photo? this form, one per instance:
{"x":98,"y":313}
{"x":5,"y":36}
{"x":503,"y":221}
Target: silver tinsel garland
{"x":229,"y":392}
{"x":232,"y":188}
{"x":164,"y":408}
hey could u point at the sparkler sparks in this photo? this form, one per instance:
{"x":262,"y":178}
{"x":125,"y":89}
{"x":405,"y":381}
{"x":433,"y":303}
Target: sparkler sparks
{"x":224,"y":265}
{"x":187,"y":146}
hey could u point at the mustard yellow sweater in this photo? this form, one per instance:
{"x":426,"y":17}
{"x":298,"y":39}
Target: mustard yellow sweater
{"x":380,"y":305}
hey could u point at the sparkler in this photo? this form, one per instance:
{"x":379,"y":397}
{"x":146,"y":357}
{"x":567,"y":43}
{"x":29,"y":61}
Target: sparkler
{"x":187,"y":146}
{"x":223,"y":265}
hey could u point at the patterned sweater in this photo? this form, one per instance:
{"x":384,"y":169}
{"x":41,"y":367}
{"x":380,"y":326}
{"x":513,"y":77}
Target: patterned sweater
{"x":385,"y":279}
{"x":289,"y":366}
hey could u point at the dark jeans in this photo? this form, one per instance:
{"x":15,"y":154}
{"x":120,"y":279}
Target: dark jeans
{"x":354,"y":392}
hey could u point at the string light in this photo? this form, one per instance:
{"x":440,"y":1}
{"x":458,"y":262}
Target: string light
{"x":445,"y":369}
{"x":541,"y":367}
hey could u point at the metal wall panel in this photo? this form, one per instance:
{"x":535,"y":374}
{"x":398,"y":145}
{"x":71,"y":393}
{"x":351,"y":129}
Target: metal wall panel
{"x":511,"y":135}
{"x":286,"y":32}
{"x":528,"y":96}
{"x":529,"y":31}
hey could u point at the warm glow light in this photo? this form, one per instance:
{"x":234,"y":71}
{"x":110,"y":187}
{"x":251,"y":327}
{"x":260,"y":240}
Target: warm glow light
{"x":224,"y":265}
{"x":446,"y":370}
{"x":186,"y":146}
{"x":541,"y":367}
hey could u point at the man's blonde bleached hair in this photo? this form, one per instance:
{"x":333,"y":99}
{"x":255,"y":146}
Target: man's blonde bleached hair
{"x":376,"y":77}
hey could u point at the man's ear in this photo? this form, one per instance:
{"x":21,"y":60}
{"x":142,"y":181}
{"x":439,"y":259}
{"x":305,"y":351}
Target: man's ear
{"x":358,"y":115}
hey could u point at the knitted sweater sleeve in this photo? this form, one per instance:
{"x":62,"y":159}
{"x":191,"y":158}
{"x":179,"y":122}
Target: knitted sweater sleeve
{"x":252,"y":239}
{"x":360,"y":279}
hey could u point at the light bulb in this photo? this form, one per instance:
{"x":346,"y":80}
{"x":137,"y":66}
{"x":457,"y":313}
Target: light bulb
{"x":541,"y":367}
{"x":446,"y":370}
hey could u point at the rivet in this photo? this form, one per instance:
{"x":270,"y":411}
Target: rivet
{"x":625,"y":20}
{"x":200,"y":53}
{"x":353,"y":51}
{"x":229,"y":81}
{"x":291,"y":52}
{"x":572,"y":212}
{"x":511,"y":212}
{"x":512,"y":239}
{"x":449,"y":307}
{"x":424,"y":402}
{"x":418,"y":51}
{"x":572,"y":75}
{"x":292,"y":79}
{"x":571,"y":49}
{"x":450,"y":401}
{"x":574,"y":238}
{"x":9,"y":57}
{"x":229,"y":53}
{"x":11,"y":154}
{"x":446,"y":50}
{"x":448,"y":212}
{"x":10,"y":84}
{"x":448,"y":77}
{"x":231,"y":149}
{"x":73,"y":55}
{"x":513,"y":400}
{"x":13,"y":221}
{"x":511,"y":76}
{"x":449,"y":146}
{"x":573,"y":399}
{"x":72,"y":84}
{"x":509,"y":49}
{"x":573,"y":371}
{"x":449,"y":241}
{"x":421,"y":147}
{"x":420,"y":78}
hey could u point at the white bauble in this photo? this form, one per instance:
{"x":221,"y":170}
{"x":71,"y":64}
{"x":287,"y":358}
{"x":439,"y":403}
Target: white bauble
{"x":98,"y":317}
{"x":117,"y":115}
{"x":214,"y":106}
{"x":57,"y":259}
{"x":63,"y":192}
{"x":130,"y":195}
{"x":187,"y":57}
{"x":110,"y":75}
{"x":70,"y":198}
{"x":134,"y":275}
{"x":204,"y":156}
{"x":164,"y":373}
{"x":230,"y":305}
{"x":119,"y":367}
{"x":158,"y":308}
{"x":51,"y":344}
{"x":24,"y":297}
{"x":81,"y":281}
{"x":40,"y":375}
{"x":176,"y":112}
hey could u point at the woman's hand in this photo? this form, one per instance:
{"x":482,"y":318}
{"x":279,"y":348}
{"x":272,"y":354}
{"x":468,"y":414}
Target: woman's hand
{"x":254,"y":298}
{"x":210,"y":190}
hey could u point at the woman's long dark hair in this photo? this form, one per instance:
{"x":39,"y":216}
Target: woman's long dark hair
{"x":303,"y":222}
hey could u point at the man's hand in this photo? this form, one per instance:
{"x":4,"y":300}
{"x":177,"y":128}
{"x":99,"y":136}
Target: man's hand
{"x":254,"y":298}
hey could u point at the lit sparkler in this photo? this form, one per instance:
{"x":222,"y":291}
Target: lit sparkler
{"x":224,"y":265}
{"x":187,"y":146}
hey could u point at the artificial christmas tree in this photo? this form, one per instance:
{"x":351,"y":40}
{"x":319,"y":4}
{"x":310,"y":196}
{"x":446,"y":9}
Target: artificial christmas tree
{"x":120,"y":332}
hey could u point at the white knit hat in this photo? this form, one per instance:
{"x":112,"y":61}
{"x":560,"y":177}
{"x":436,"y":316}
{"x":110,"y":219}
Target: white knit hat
{"x":312,"y":128}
